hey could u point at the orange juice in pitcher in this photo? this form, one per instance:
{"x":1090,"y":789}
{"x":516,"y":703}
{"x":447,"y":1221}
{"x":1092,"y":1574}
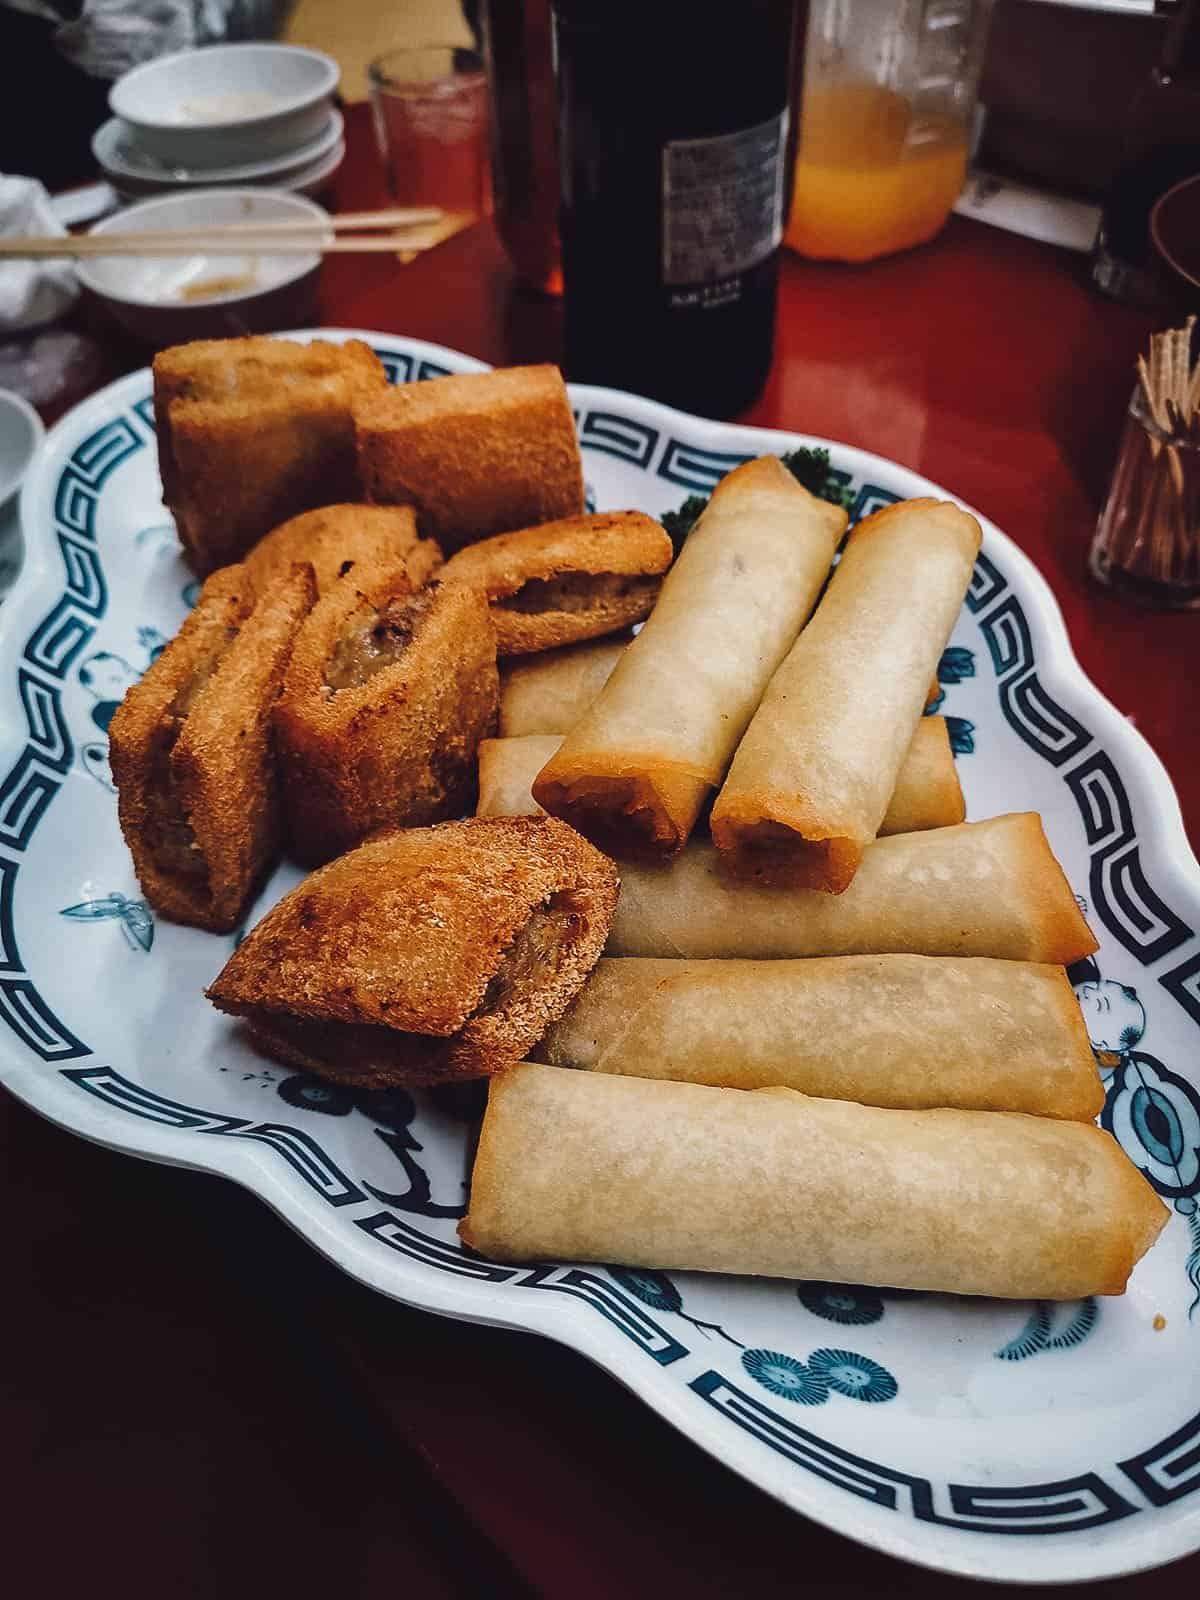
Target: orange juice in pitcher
{"x":884,"y":119}
{"x":871,"y":177}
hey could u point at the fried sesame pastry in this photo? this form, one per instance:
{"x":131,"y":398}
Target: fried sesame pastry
{"x":475,"y":454}
{"x":192,"y":751}
{"x":335,"y":540}
{"x":254,"y":431}
{"x":578,"y":578}
{"x":426,"y":954}
{"x":389,"y":691}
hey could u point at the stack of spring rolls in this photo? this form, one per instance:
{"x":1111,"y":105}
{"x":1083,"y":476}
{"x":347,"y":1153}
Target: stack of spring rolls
{"x":834,"y":1039}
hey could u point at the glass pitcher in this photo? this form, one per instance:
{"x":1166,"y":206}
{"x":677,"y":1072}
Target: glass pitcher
{"x":885,"y":123}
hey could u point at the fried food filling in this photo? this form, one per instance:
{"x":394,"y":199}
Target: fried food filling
{"x":359,"y":1052}
{"x":536,"y":953}
{"x":580,"y":591}
{"x":171,"y":835}
{"x":778,"y":854}
{"x":377,"y":640}
{"x":363,"y":1052}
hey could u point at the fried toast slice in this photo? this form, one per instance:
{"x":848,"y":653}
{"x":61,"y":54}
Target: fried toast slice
{"x":426,"y":954}
{"x":577,"y":578}
{"x":475,"y":454}
{"x":254,"y":431}
{"x":192,"y":751}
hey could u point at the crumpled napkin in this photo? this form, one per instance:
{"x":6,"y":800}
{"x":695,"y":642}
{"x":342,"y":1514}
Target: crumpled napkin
{"x":31,"y":292}
{"x":107,"y":38}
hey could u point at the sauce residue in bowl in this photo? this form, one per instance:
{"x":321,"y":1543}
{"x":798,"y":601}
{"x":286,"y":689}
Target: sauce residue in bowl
{"x":210,"y":288}
{"x":228,"y":107}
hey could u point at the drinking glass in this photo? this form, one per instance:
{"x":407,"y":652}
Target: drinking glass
{"x":429,"y":106}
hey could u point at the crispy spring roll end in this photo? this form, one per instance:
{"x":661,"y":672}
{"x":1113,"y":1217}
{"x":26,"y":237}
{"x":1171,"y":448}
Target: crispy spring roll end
{"x":639,"y":816}
{"x":757,"y":850}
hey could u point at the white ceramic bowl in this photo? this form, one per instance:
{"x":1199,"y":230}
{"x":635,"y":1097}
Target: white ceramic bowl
{"x":226,"y":103}
{"x":21,"y":433}
{"x":162,"y":298}
{"x":121,"y":158}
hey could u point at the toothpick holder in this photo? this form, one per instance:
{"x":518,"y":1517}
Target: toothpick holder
{"x":1147,"y":542}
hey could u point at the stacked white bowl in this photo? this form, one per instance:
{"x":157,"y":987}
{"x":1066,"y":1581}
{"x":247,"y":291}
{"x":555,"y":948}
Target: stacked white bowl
{"x":227,"y":115}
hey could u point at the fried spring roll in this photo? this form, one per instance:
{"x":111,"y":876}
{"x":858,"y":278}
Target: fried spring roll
{"x":336,"y":539}
{"x":577,"y":1166}
{"x":913,"y":1032}
{"x":197,"y":787}
{"x":427,"y":954}
{"x":566,"y":581}
{"x":636,"y":770}
{"x":507,"y":767}
{"x":928,"y":793}
{"x":548,"y":693}
{"x":813,"y":776}
{"x":989,"y":888}
{"x":387,"y":696}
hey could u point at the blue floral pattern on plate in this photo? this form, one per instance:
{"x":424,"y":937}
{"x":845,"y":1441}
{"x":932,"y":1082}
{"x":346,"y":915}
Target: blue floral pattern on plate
{"x":810,"y":1384}
{"x":857,"y":1377}
{"x":847,"y":1303}
{"x":133,"y":917}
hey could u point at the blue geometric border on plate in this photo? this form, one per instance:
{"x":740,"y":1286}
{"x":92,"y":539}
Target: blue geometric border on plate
{"x":1120,"y":893}
{"x":1125,"y":901}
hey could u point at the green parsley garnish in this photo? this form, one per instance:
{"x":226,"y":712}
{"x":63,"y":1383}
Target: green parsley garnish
{"x":809,"y":467}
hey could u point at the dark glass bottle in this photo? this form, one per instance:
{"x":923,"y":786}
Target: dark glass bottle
{"x":676,"y":148}
{"x":1162,"y":148}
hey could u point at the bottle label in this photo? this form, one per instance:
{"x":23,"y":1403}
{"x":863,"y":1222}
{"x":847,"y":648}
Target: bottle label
{"x":722,"y":204}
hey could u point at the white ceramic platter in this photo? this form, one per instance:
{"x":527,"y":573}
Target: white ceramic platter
{"x":1003,"y":1440}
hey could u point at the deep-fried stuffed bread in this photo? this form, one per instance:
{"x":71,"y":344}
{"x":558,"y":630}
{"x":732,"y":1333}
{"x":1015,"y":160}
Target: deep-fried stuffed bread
{"x":475,"y":453}
{"x":427,"y":954}
{"x":335,"y":540}
{"x":254,"y":431}
{"x":389,"y":691}
{"x":192,"y":753}
{"x":565,"y":581}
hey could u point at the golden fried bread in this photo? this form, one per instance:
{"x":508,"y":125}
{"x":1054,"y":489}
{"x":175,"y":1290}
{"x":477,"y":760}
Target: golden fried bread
{"x":192,"y":754}
{"x":475,"y":454}
{"x":565,"y":581}
{"x":389,"y":691}
{"x":426,"y":954}
{"x":254,"y":431}
{"x":335,"y":539}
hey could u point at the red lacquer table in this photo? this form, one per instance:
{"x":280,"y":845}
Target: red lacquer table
{"x":195,"y":1404}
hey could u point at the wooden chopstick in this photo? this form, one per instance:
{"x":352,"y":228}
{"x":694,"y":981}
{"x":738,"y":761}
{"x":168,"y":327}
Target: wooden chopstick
{"x":287,"y":240}
{"x":241,"y":236}
{"x":345,"y":222}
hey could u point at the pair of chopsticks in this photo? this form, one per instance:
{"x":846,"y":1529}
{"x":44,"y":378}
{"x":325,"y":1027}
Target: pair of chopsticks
{"x":409,"y":231}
